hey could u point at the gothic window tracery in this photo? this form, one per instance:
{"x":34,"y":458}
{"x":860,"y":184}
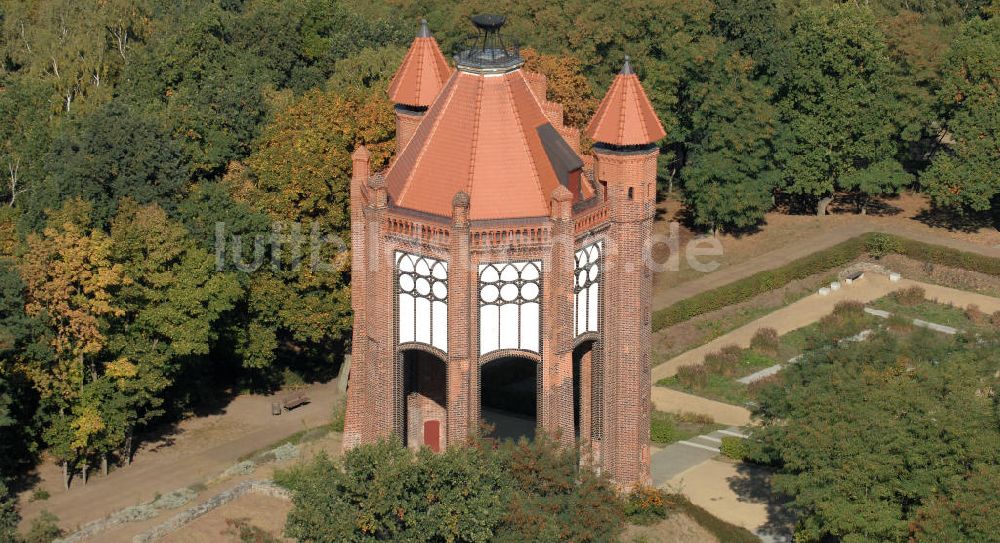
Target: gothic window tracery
{"x":422,"y":284}
{"x":587,"y":288}
{"x":510,"y":296}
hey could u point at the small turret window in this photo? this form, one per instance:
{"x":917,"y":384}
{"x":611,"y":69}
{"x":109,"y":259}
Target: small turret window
{"x":630,"y":193}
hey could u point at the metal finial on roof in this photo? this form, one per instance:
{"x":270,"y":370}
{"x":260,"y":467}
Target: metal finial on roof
{"x":425,"y":32}
{"x":627,"y":67}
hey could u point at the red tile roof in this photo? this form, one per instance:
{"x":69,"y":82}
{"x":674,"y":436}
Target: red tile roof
{"x":423,"y":72}
{"x":480,"y":136}
{"x":625,"y":116}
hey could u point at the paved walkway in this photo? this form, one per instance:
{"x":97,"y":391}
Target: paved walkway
{"x":678,"y":457}
{"x":793,"y":251}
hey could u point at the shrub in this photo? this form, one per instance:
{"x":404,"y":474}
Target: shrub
{"x":662,"y":428}
{"x":765,"y":341}
{"x":759,"y":283}
{"x":975,"y":315}
{"x":248,"y":533}
{"x":754,"y":388}
{"x":695,"y":418}
{"x":879,"y":245}
{"x":736,"y":448}
{"x":524,"y":491}
{"x":909,"y":296}
{"x":849,"y":308}
{"x":695,"y":377}
{"x":339,"y":414}
{"x":995,"y":319}
{"x":725,"y":361}
{"x":898,"y":323}
{"x":646,"y":505}
{"x":44,"y":529}
{"x":40,"y":494}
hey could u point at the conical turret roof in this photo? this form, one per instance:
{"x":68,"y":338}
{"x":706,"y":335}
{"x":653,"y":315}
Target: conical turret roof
{"x":625,"y":116}
{"x":423,"y":73}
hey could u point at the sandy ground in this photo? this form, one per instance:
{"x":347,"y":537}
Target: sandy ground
{"x":261,"y":511}
{"x":677,"y":528}
{"x":199,"y":449}
{"x":785,"y":238}
{"x":736,"y":493}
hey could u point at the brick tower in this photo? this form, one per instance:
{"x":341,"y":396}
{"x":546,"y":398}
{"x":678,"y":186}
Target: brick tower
{"x":497,"y":274}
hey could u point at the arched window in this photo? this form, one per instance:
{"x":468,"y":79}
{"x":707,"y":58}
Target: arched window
{"x":510,"y":297}
{"x":586,"y":310}
{"x":423,"y":300}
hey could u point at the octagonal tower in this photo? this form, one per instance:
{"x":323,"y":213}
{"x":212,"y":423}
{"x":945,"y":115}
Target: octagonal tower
{"x":497,"y":274}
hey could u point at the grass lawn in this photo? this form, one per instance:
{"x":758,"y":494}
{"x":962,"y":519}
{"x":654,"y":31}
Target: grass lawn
{"x":927,"y":311}
{"x":666,"y":428}
{"x":718,"y":387}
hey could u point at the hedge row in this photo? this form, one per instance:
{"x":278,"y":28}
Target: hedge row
{"x":761,"y":282}
{"x":839,"y":255}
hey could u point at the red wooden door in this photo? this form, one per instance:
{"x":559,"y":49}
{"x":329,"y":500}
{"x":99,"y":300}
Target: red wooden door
{"x":432,"y":435}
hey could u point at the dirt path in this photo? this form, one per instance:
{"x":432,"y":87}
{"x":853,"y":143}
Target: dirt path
{"x":796,"y":237}
{"x":199,"y":449}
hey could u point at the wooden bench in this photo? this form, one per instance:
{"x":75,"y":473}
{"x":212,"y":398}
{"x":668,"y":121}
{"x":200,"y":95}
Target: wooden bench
{"x":295,"y":400}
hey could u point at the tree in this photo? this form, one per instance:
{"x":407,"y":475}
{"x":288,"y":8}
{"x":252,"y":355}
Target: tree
{"x":118,"y":151}
{"x":70,"y":280}
{"x":170,"y":305}
{"x":527,"y":491}
{"x":730,"y":178}
{"x":566,"y":85}
{"x":963,"y":174}
{"x":9,"y":517}
{"x":367,"y":69}
{"x":299,"y":176}
{"x":834,"y":95}
{"x":880,"y":439}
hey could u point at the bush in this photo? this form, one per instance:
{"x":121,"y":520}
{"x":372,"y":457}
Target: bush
{"x":849,"y":308}
{"x":662,"y":428}
{"x":736,"y":448}
{"x":754,"y":388}
{"x":525,"y":491}
{"x":909,"y":296}
{"x":695,"y":418}
{"x":339,"y":414}
{"x":765,"y":341}
{"x":725,"y":362}
{"x":975,"y":315}
{"x":879,"y":245}
{"x":695,"y":377}
{"x":645,"y":506}
{"x":248,"y":533}
{"x":995,"y":319}
{"x":759,"y":283}
{"x":40,"y":494}
{"x":44,"y":529}
{"x":898,"y":323}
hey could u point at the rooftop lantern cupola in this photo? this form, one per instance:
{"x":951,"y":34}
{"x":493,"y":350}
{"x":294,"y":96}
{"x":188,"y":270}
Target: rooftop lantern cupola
{"x":487,"y":51}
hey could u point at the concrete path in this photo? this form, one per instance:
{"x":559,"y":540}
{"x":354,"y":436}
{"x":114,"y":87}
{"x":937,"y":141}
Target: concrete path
{"x":678,"y":457}
{"x":739,"y":494}
{"x":793,"y":251}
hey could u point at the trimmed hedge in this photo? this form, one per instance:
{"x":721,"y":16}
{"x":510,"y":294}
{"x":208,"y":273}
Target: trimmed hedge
{"x":760,"y":282}
{"x":839,"y":255}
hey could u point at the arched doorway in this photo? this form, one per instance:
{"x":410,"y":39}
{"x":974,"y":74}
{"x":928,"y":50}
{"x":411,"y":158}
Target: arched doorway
{"x":425,"y":399}
{"x":509,"y":397}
